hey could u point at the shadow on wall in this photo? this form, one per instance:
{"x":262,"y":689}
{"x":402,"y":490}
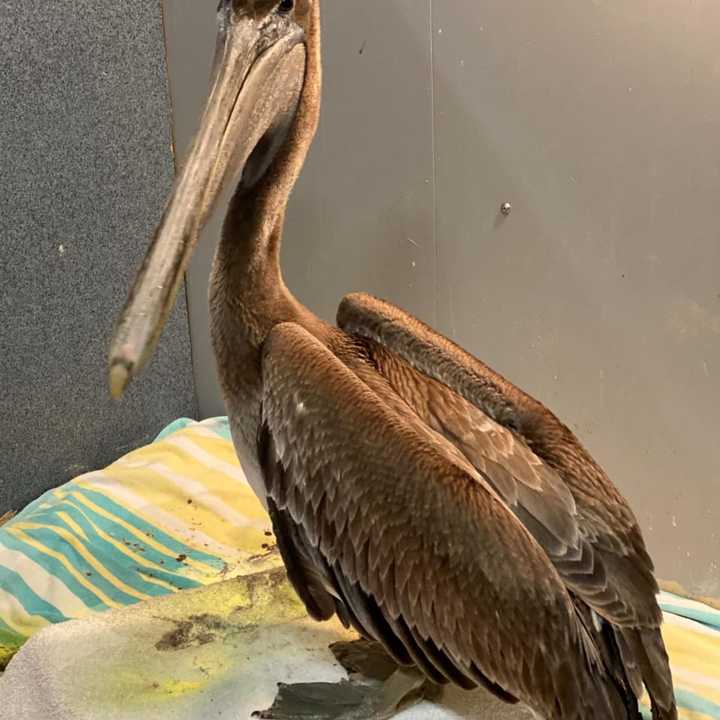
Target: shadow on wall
{"x":361,"y":216}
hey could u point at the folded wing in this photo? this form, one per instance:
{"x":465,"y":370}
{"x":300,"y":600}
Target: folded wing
{"x":377,"y":522}
{"x":538,"y":467}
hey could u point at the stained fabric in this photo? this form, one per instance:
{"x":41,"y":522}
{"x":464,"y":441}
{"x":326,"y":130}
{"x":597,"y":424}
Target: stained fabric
{"x":179,"y":514}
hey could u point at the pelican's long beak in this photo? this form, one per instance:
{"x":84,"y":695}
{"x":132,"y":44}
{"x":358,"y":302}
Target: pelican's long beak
{"x":257,"y":81}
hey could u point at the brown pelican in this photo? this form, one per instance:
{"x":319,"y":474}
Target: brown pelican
{"x":417,"y":494}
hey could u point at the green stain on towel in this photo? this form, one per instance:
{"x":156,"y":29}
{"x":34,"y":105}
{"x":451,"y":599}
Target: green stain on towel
{"x":10,"y":643}
{"x":185,"y":644}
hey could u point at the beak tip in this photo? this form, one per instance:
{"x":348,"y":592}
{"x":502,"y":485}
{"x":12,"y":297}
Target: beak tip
{"x":119,"y":379}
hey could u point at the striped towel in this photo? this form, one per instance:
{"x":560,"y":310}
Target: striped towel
{"x":692,"y":636}
{"x":174,"y":515}
{"x":180,"y":514}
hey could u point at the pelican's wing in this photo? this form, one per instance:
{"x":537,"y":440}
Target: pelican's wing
{"x":486,"y":418}
{"x":374,"y":518}
{"x":539,"y":468}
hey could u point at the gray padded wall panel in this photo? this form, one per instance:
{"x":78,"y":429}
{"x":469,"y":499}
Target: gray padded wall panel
{"x":85,"y":165}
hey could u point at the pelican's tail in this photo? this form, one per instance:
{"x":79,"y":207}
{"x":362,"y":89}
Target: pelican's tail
{"x":613,"y":683}
{"x":646,"y":663}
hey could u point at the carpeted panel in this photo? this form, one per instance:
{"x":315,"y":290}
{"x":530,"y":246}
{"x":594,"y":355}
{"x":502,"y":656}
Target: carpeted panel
{"x":85,"y":165}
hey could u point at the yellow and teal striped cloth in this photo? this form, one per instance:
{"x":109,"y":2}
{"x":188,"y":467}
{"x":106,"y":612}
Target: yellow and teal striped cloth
{"x":180,"y":514}
{"x":174,"y":515}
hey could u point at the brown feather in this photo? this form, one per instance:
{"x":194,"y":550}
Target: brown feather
{"x":534,"y":462}
{"x":460,"y":560}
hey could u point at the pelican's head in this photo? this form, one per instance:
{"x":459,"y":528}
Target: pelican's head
{"x":257,"y":82}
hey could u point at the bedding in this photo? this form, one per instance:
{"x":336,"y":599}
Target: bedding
{"x":179,"y":515}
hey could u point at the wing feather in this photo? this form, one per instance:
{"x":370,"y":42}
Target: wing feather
{"x":423,"y":555}
{"x":531,"y":459}
{"x":534,"y":462}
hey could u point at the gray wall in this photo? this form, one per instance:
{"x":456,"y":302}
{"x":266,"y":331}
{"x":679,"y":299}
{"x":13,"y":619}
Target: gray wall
{"x":85,"y":164}
{"x":600,"y":294}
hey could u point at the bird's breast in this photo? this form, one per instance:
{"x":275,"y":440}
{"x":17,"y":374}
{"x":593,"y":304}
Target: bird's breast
{"x":244,"y":426}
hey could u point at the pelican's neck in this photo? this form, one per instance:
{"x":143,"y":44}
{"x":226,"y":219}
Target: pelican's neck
{"x":247,"y":293}
{"x":246,"y":271}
